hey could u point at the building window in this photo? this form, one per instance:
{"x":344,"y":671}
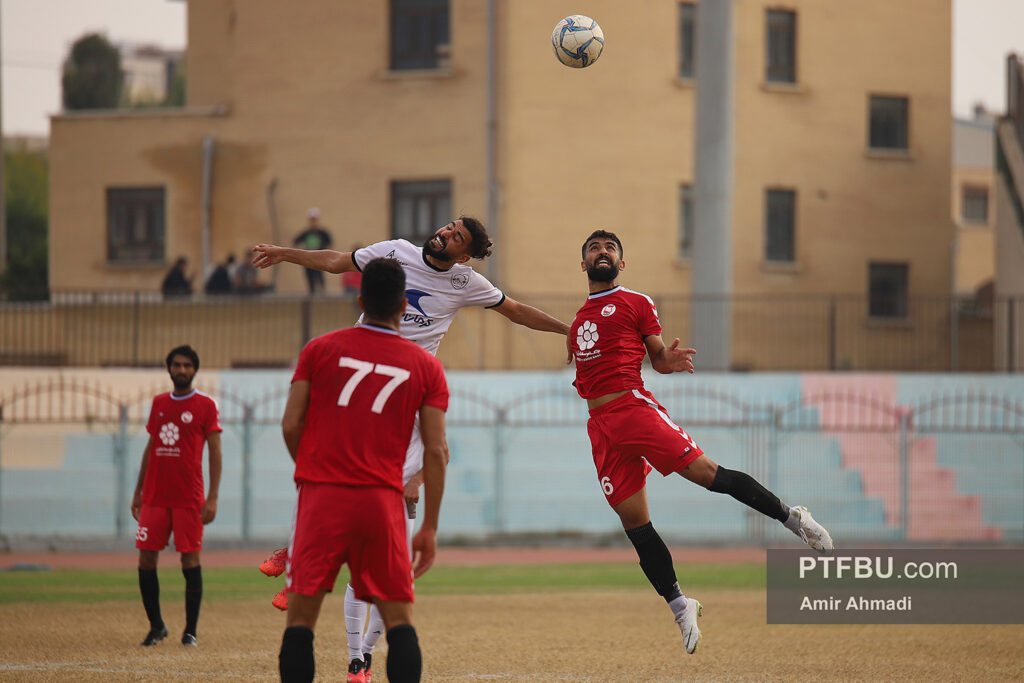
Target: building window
{"x":780,"y":225}
{"x":135,"y":225}
{"x":685,"y":221}
{"x":780,"y":46}
{"x":887,"y":290}
{"x":889,"y":122}
{"x":419,"y":208}
{"x":687,"y":39}
{"x":419,"y":34}
{"x":974,"y":204}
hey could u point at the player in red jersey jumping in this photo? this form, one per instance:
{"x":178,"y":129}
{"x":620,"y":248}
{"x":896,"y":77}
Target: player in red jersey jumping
{"x":630,"y":431}
{"x":169,"y":493}
{"x":352,"y":407}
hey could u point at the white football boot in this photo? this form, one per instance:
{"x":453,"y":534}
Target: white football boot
{"x":812,"y":533}
{"x":688,"y":625}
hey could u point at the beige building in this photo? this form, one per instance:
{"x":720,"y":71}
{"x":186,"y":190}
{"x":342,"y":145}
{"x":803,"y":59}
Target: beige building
{"x":393,"y":115}
{"x":1009,"y":224}
{"x":973,"y":184}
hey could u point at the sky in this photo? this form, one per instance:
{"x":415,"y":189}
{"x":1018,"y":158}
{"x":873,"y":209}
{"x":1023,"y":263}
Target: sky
{"x":35,"y":36}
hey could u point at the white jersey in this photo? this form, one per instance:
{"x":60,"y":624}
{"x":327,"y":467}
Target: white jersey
{"x":434,"y":296}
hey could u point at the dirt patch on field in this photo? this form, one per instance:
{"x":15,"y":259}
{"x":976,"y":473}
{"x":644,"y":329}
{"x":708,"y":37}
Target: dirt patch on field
{"x":579,"y":636}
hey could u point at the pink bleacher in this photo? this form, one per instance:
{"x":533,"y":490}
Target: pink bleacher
{"x":937,"y":512}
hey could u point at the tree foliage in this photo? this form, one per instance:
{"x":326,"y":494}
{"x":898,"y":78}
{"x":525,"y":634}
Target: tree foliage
{"x":92,"y":74}
{"x":26,"y":181}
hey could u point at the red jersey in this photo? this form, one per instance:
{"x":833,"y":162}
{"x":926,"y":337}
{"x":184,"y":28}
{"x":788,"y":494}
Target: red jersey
{"x":367,"y":385}
{"x":607,"y":338}
{"x":178,"y":426}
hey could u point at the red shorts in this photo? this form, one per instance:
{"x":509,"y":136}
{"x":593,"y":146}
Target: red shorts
{"x":361,"y":527}
{"x":629,"y":432}
{"x":157,"y":523}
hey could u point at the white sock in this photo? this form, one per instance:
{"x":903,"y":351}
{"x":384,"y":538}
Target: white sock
{"x":374,"y":631}
{"x":355,"y":618}
{"x":678,"y":606}
{"x":793,"y":522}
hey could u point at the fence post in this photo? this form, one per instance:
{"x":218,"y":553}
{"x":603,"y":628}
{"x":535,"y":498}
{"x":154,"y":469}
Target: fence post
{"x":501,"y":416}
{"x":247,"y":417}
{"x":904,"y":446}
{"x":306,"y":325}
{"x":832,"y":333}
{"x":135,"y":330}
{"x":121,"y":469}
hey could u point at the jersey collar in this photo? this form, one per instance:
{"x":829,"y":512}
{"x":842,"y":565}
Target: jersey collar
{"x":182,"y":398}
{"x":598,"y":295}
{"x":377,"y":328}
{"x":430,"y":265}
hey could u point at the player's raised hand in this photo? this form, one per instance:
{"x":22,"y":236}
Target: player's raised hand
{"x":266,"y":255}
{"x":424,"y":548}
{"x":680,"y":360}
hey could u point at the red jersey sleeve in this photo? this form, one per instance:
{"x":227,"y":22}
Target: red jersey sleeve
{"x":213,"y":419}
{"x":647,"y":317}
{"x":436,"y":394}
{"x":153,"y":425}
{"x":304,"y":368}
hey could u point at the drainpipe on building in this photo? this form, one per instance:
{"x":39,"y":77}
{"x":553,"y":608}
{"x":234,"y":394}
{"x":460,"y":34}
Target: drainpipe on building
{"x":711,"y":280}
{"x":208,"y":147}
{"x":492,"y":136}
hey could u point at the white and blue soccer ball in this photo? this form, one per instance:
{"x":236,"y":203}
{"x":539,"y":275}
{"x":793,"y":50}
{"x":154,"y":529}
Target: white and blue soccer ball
{"x":578,"y":41}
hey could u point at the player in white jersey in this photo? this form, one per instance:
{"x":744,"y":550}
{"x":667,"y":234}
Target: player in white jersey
{"x":438,"y":284}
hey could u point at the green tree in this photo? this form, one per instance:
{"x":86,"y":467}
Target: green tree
{"x":92,"y":74}
{"x":26,"y":176}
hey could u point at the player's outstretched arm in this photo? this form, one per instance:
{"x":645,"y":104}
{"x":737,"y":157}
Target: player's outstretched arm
{"x":435,"y":457}
{"x":668,"y":359}
{"x":266,"y":255}
{"x":531,"y":317}
{"x":137,"y":497}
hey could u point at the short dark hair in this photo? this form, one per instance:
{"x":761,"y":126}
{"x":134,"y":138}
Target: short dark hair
{"x":480,"y":242}
{"x":184,"y":350}
{"x":382,"y":288}
{"x":601,"y":234}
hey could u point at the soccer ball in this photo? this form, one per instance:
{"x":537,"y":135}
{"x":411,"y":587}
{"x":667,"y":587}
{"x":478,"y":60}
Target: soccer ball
{"x":578,"y":41}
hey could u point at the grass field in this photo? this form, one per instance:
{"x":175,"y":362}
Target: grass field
{"x":579,"y":622}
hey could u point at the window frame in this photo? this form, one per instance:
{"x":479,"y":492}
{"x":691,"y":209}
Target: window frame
{"x":431,"y":16}
{"x":967,"y":188}
{"x":437,"y":192}
{"x":128,"y":252}
{"x":879,"y":99}
{"x":685,"y":225}
{"x":686,"y":66}
{"x":779,"y":72}
{"x":769,"y":224}
{"x":899,"y":308}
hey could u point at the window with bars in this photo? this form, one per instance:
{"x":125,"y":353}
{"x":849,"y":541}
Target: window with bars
{"x":419,"y":34}
{"x":135,"y":225}
{"x":687,"y":40}
{"x":685,"y":236}
{"x":780,"y":225}
{"x":974,"y":204}
{"x":780,"y":46}
{"x":887,"y":290}
{"x":888,"y":127}
{"x":419,"y":208}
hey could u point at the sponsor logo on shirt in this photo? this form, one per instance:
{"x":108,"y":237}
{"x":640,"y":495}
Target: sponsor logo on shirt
{"x":586,"y":340}
{"x":391,"y":255}
{"x":169,"y":435}
{"x":608,"y":310}
{"x":186,"y":417}
{"x":414,"y":297}
{"x":459,"y":280}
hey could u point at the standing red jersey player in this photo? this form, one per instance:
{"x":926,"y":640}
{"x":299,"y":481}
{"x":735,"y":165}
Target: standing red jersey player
{"x":169,"y":494}
{"x":630,"y":431}
{"x":352,"y":407}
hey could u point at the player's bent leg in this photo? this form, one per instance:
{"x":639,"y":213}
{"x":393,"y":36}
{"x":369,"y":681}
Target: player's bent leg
{"x":633,"y":511}
{"x":405,"y":661}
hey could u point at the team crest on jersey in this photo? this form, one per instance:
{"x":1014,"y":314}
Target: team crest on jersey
{"x":608,"y":310}
{"x":459,"y":280}
{"x":186,"y":417}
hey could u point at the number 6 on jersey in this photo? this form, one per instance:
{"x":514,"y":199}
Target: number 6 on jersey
{"x":362,"y":369}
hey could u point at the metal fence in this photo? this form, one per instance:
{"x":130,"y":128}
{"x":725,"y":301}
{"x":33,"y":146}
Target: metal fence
{"x":943,"y":468}
{"x":135,"y":329}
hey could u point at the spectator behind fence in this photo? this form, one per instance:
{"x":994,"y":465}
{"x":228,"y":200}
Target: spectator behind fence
{"x":313,"y":238}
{"x":175,"y":283}
{"x":247,"y":279}
{"x":219,"y":281}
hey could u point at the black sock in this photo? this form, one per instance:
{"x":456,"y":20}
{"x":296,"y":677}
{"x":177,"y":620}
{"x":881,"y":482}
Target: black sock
{"x":149,"y":586}
{"x":296,"y":663}
{"x":193,"y":596}
{"x":655,"y":560}
{"x":746,"y":490}
{"x":405,"y":661}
